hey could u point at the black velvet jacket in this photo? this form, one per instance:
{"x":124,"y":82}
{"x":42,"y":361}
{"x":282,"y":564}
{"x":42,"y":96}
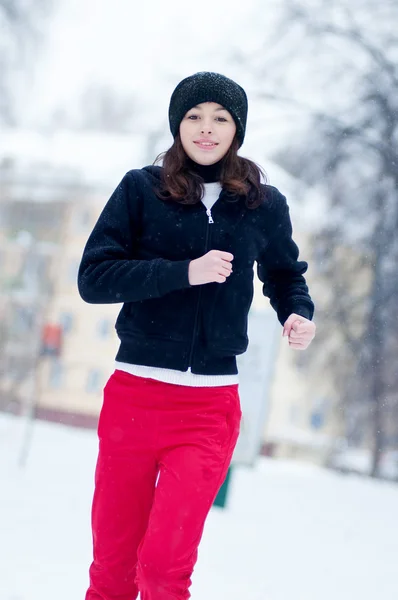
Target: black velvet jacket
{"x":139,"y":252}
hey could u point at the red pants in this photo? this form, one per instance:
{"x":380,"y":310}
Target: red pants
{"x":146,"y":535}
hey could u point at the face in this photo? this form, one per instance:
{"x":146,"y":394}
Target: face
{"x":206,"y":132}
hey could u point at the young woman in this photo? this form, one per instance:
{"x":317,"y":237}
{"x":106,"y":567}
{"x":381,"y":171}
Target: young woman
{"x":176,"y":245}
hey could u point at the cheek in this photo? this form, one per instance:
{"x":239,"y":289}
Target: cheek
{"x":183,"y":135}
{"x":186,"y":141}
{"x":228,"y":135}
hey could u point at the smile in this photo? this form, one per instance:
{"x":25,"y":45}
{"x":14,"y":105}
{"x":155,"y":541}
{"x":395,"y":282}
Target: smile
{"x":206,"y":145}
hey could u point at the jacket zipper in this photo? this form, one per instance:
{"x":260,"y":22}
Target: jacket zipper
{"x":209,"y":221}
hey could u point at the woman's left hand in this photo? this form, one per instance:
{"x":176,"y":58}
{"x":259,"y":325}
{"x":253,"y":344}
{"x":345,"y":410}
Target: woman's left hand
{"x":301,"y":331}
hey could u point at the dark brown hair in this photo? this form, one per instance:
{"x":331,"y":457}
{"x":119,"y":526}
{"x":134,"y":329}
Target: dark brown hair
{"x":238,"y":176}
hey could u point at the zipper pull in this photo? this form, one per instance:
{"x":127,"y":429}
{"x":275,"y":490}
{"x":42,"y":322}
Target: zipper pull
{"x":208,"y":212}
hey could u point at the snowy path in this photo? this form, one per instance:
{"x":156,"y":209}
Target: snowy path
{"x":292,"y":531}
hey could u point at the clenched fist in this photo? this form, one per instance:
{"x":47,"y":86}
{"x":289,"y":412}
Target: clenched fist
{"x":300,"y":331}
{"x":215,"y":266}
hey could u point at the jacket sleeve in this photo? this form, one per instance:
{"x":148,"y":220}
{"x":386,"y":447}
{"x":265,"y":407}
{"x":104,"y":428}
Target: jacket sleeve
{"x":281,"y":272}
{"x":108,"y":273}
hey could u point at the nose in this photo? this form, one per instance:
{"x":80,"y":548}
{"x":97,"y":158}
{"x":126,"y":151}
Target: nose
{"x":206,"y":127}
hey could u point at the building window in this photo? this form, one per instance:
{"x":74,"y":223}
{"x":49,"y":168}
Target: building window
{"x":66,"y":321}
{"x":319,"y":412}
{"x":104,"y":328}
{"x":93,"y":383}
{"x":56,"y":376}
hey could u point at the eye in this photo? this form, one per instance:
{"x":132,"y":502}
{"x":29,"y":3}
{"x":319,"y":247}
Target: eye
{"x":193,"y":117}
{"x":222,"y":119}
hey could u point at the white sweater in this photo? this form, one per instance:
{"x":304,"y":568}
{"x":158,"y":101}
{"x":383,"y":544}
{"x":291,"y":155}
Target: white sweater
{"x":212,"y":192}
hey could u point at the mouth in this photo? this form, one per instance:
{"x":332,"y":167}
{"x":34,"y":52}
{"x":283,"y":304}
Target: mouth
{"x":205,"y":145}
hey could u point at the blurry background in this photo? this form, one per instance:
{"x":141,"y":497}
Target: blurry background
{"x":84,"y":93}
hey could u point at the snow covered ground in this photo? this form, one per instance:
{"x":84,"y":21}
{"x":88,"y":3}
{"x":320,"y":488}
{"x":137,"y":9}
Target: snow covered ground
{"x":291,"y":531}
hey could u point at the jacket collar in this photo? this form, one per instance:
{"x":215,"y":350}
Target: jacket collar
{"x":230,"y":208}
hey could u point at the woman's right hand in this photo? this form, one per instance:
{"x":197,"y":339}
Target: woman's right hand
{"x":215,"y":266}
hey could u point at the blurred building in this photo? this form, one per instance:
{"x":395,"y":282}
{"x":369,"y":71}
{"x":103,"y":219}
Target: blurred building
{"x":73,"y":374}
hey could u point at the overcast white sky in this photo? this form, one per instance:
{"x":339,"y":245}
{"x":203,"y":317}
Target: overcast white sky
{"x":136,"y":46}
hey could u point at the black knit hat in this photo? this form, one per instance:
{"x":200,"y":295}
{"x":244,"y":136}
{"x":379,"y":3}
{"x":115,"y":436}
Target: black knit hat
{"x":209,"y":87}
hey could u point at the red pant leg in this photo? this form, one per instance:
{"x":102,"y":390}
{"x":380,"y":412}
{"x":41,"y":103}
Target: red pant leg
{"x":124,"y":486}
{"x":199,"y":428}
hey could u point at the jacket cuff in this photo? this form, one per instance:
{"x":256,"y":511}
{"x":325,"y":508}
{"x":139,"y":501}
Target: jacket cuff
{"x":299,"y":309}
{"x":173,"y":275}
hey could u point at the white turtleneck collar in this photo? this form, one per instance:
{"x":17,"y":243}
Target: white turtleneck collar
{"x":211,"y":194}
